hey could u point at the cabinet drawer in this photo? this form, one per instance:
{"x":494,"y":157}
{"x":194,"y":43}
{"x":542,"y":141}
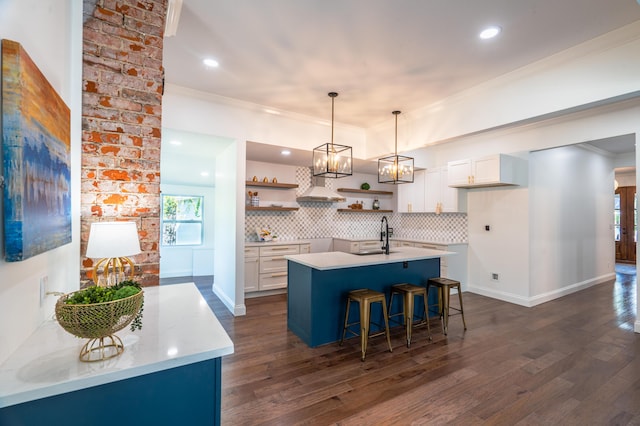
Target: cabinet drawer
{"x":273,"y":264}
{"x":305,"y":248}
{"x":273,"y":281}
{"x":369,"y":245}
{"x":251,"y":251}
{"x":279,"y":250}
{"x":405,"y":244}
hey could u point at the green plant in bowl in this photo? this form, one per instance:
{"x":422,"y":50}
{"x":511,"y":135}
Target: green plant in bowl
{"x":365,"y":186}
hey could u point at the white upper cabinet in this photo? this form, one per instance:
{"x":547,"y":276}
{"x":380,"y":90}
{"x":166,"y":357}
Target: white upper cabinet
{"x":411,"y":195}
{"x":494,"y":170}
{"x":439,"y":197}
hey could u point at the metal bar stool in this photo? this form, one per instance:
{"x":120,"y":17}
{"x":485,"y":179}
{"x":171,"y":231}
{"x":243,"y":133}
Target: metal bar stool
{"x":365,"y":297}
{"x":444,"y":286}
{"x":409,"y":292}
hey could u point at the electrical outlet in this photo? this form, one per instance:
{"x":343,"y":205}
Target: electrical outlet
{"x":495,"y":276}
{"x":44,"y":284}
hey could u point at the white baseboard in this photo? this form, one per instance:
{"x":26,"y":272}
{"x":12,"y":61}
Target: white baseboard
{"x":544,"y":297}
{"x":500,"y":295}
{"x":236,"y":310}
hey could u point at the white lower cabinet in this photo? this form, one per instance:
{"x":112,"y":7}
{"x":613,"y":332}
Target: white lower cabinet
{"x":266,"y":267}
{"x":400,"y":243}
{"x":251,"y":269}
{"x":349,"y":246}
{"x":454,"y":266}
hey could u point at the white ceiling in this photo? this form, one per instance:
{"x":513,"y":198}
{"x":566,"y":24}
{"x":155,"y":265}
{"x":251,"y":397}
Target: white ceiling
{"x":379,"y":55}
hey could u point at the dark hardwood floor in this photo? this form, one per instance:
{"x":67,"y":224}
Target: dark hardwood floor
{"x":571,"y":361}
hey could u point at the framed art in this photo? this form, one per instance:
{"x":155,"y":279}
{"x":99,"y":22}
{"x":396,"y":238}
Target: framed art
{"x":36,"y":158}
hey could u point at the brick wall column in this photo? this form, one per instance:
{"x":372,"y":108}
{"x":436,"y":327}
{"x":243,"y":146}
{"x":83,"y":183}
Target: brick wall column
{"x":121,"y":108}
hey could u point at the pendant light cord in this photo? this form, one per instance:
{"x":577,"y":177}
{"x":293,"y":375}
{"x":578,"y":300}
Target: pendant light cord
{"x":332,"y":95}
{"x":396,"y":113}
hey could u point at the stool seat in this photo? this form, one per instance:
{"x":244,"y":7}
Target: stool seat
{"x":444,"y":286}
{"x":409,"y":292}
{"x":365,"y":298}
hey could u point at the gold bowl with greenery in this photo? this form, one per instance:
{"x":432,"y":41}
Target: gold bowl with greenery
{"x":96,"y":313}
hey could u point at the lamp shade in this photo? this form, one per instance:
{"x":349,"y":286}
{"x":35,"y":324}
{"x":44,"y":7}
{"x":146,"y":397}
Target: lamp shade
{"x":113,"y":239}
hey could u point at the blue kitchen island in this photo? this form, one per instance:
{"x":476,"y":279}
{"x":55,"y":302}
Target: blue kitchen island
{"x":169,"y":373}
{"x":318,"y":284}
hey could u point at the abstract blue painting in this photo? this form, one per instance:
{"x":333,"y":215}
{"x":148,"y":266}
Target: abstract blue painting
{"x":36,"y":159}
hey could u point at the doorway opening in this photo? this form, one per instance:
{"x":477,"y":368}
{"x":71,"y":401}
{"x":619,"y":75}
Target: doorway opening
{"x":625,"y":224}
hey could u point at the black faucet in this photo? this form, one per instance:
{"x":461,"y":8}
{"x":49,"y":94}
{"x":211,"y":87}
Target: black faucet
{"x":384,"y":234}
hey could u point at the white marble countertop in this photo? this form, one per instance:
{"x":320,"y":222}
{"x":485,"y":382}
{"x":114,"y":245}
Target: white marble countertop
{"x":178,"y":328}
{"x":274,"y":243}
{"x":339,"y":260}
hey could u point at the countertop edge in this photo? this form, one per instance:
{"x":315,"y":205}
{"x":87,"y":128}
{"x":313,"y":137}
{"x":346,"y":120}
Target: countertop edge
{"x":344,"y":260}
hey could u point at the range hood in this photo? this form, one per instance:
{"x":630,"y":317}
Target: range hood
{"x":319,"y":193}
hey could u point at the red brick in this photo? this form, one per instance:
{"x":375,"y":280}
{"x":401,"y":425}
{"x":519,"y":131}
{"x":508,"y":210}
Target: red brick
{"x":116,"y":174}
{"x":129,"y":140}
{"x":115,"y":199}
{"x":108,"y":16}
{"x":101,"y":63}
{"x":109,"y":149}
{"x":101,"y":39}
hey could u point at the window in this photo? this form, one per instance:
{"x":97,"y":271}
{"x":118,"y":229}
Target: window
{"x":182,"y":220}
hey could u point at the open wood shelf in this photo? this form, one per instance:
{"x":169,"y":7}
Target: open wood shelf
{"x":274,"y":209}
{"x":365,"y":211}
{"x":272,"y":185}
{"x":364,"y":191}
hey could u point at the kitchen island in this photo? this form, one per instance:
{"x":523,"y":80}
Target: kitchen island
{"x":318,"y":284}
{"x":169,"y":372}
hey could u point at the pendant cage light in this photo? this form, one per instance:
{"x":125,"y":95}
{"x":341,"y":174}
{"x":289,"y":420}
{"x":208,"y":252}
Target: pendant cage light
{"x":332,"y":160}
{"x":396,"y":168}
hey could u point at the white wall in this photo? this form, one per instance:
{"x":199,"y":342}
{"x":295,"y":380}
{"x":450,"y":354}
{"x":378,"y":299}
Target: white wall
{"x":626,"y":178}
{"x":571,"y":205}
{"x":178,"y":261}
{"x":504,"y":249}
{"x":199,"y":112}
{"x":51,"y":33}
{"x":229,"y":227}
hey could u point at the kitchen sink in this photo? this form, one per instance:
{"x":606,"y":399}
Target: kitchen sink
{"x":368,"y":252}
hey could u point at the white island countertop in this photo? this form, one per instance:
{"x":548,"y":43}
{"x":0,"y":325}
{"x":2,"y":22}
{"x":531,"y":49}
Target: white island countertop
{"x":338,"y":259}
{"x":178,"y":328}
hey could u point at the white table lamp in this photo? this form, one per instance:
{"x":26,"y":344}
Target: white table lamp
{"x":112,"y":243}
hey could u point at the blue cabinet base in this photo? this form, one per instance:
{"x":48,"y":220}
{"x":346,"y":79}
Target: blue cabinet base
{"x":189,"y":394}
{"x":316,"y":298}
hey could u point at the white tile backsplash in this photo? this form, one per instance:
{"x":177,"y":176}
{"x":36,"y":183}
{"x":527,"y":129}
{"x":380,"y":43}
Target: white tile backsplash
{"x":322,"y":220}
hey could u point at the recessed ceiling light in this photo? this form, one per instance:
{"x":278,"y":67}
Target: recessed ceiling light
{"x":177,"y":143}
{"x":285,"y":152}
{"x":490,"y":32}
{"x":205,"y":174}
{"x":211,"y":63}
